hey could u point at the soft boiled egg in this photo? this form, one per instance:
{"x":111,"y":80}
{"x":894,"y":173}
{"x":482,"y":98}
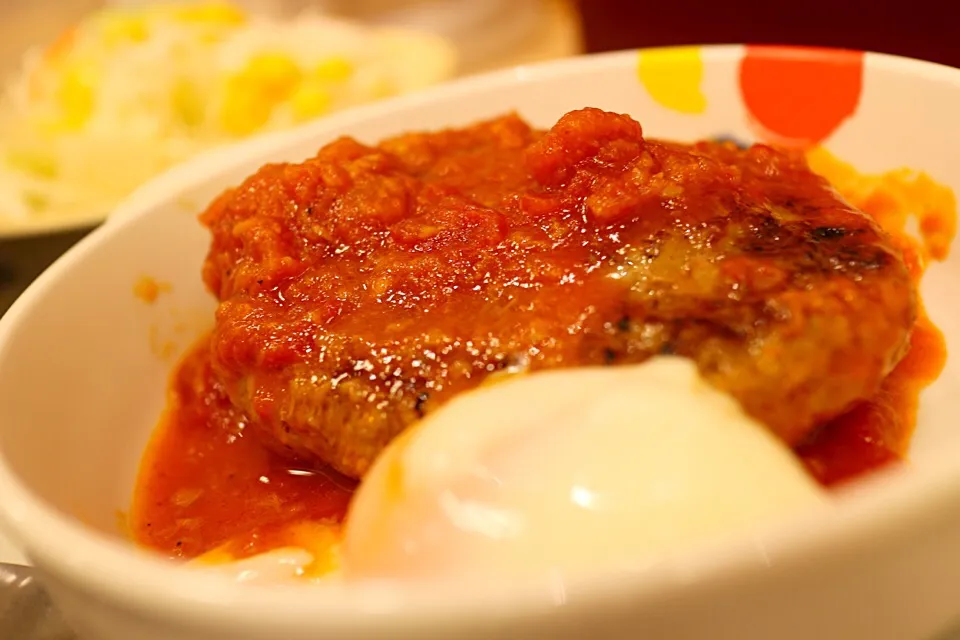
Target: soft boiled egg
{"x":567,"y":471}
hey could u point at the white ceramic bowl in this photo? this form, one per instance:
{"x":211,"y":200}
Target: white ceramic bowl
{"x":83,"y":380}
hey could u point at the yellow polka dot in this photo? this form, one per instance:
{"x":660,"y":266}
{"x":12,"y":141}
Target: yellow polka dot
{"x":672,"y":77}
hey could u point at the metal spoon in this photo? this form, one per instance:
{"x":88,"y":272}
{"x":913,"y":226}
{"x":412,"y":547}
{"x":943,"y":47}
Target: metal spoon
{"x":26,"y":612}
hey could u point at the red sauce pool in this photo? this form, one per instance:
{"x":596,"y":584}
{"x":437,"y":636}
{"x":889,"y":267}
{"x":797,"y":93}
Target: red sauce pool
{"x":205,"y":481}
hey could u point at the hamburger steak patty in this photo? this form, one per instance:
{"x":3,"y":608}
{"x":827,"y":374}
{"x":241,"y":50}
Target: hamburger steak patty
{"x":363,"y":288}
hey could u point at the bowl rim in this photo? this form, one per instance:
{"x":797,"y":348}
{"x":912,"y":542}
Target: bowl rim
{"x":888,"y":505}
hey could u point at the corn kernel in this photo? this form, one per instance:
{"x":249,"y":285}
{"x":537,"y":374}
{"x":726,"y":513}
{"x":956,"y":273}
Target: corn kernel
{"x":245,"y":109}
{"x":334,"y":69}
{"x":309,"y":101}
{"x":276,"y":74}
{"x":119,"y":28}
{"x":266,"y":81}
{"x":215,"y":13}
{"x":76,"y":97}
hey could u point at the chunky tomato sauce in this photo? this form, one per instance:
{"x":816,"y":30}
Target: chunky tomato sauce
{"x":210,"y":481}
{"x":363,"y":288}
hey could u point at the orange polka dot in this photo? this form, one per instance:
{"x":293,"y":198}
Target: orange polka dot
{"x":797,"y":95}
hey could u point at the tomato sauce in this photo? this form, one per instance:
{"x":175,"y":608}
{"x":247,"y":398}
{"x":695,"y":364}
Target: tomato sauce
{"x":209,"y":481}
{"x":206,"y":481}
{"x":876,"y":432}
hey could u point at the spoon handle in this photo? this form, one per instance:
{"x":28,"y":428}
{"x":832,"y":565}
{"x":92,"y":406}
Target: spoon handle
{"x":26,"y":612}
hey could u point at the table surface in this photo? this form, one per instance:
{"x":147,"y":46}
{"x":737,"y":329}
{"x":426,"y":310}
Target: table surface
{"x":22,"y":260}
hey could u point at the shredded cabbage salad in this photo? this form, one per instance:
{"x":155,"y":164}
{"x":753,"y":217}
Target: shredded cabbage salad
{"x":127,"y":93}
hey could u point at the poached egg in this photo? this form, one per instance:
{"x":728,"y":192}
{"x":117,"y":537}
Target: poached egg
{"x":569,"y":471}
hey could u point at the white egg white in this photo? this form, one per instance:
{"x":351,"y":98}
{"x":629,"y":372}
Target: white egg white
{"x":569,"y":471}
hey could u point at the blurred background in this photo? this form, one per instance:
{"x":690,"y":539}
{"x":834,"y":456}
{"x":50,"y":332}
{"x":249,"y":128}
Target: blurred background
{"x":486,"y":34}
